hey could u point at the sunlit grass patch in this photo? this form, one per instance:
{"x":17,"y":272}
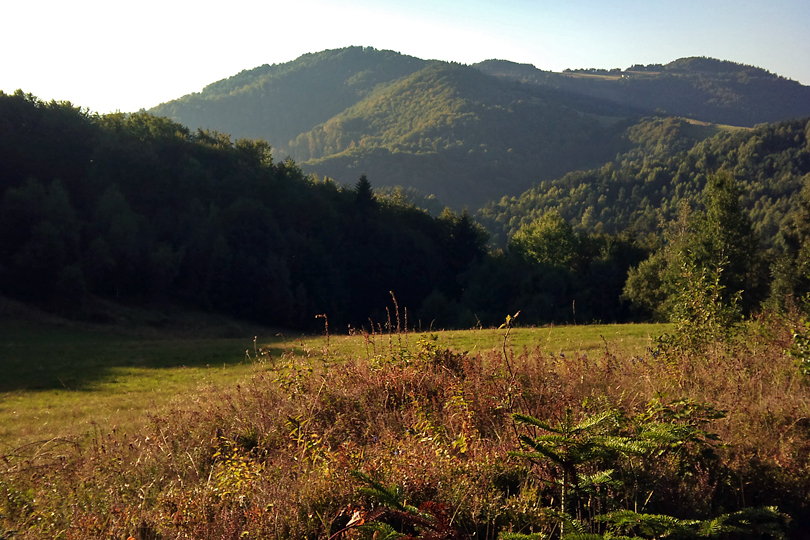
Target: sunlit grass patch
{"x":64,"y":381}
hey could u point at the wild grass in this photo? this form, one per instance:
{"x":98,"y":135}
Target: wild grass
{"x":61,"y":379}
{"x":283,"y":453}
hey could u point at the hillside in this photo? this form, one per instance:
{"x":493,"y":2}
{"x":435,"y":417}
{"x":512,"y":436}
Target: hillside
{"x":441,"y":128}
{"x":707,"y":89}
{"x":137,"y":210}
{"x":278,"y":102}
{"x":640,"y":188}
{"x":469,"y":134}
{"x":462,"y":135}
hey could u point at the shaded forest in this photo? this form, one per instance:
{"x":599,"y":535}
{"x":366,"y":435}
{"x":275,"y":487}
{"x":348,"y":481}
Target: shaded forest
{"x":139,"y":209}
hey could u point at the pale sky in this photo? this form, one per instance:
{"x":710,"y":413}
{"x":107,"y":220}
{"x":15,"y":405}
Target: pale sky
{"x":109,"y":55}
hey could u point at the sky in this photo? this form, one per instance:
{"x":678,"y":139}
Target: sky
{"x":122,"y":55}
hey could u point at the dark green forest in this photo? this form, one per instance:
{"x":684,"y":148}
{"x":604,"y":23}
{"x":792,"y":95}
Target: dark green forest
{"x":137,"y":209}
{"x":659,"y":194}
{"x":669,"y":165}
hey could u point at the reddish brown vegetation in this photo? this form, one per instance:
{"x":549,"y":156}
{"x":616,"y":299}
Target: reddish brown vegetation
{"x":274,"y":457}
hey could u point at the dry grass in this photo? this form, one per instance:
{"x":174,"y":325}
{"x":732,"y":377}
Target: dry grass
{"x":273,"y":457}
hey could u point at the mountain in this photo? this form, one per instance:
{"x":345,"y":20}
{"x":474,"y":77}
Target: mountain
{"x":471,"y":134}
{"x":644,"y":187}
{"x":276,"y":103}
{"x":442,"y":128}
{"x":467,"y":137}
{"x":705,"y":89}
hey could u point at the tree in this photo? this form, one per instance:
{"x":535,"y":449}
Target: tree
{"x":791,"y":265}
{"x":363,"y":194}
{"x":723,"y":238}
{"x":549,"y":240}
{"x":39,"y":236}
{"x":710,"y":254}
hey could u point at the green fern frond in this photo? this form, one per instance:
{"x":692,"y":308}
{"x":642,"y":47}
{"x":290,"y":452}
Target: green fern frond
{"x":625,"y":445}
{"x":601,"y":477}
{"x":668,"y":433}
{"x":557,"y":440}
{"x":591,"y":422}
{"x":541,"y":453}
{"x":532,"y":421}
{"x":387,"y":496}
{"x":765,"y":520}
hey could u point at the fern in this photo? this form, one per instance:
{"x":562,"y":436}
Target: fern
{"x":382,"y":531}
{"x":391,"y":497}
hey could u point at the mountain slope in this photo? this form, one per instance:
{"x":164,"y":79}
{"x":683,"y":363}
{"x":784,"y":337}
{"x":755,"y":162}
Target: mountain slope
{"x":701,"y":88}
{"x":278,"y":102}
{"x":647,"y":185}
{"x":462,"y":135}
{"x":470,"y":134}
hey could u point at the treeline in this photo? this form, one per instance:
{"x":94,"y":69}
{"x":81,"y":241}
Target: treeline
{"x":138,"y":209}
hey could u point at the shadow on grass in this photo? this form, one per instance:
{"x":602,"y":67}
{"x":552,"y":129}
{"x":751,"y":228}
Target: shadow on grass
{"x":41,"y":357}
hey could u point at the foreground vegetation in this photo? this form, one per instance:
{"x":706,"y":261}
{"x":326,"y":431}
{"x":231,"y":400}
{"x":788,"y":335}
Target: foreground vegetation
{"x":411,"y":438}
{"x":64,"y":379}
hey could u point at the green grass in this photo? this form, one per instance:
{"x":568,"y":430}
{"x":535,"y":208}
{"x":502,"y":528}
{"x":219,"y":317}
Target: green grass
{"x":633,"y":339}
{"x":64,"y":380}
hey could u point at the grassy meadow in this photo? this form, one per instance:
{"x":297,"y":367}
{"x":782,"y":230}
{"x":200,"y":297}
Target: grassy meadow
{"x":62,"y":379}
{"x":197,"y":430}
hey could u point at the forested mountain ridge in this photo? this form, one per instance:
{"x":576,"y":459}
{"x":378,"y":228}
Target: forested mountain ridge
{"x":644,"y":187}
{"x":278,"y":102}
{"x":138,"y":209}
{"x":469,"y":134}
{"x":706,"y":89}
{"x":461,"y":135}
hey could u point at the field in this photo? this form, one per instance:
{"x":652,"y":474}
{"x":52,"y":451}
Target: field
{"x":61,"y":379}
{"x":171,"y":428}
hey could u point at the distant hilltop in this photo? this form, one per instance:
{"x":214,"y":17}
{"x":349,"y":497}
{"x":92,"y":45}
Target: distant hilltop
{"x":469,"y":134}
